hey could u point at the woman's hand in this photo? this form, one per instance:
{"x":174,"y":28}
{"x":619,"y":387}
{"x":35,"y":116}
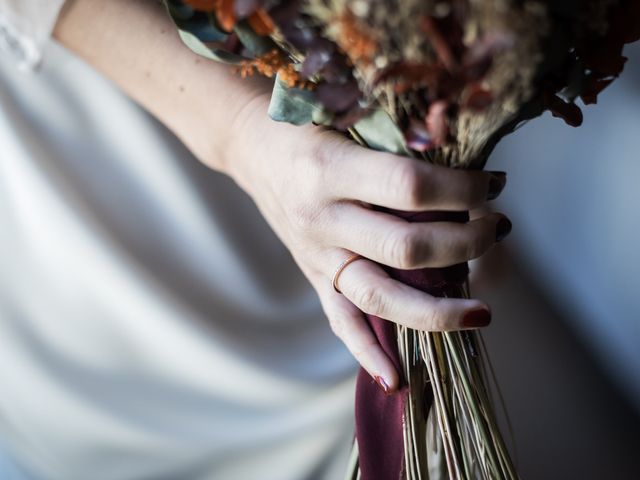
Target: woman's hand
{"x":313,"y":186}
{"x":316,"y":188}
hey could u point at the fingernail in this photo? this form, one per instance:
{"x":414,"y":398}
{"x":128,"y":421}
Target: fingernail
{"x":496,"y":184}
{"x":503,"y":228}
{"x":480,"y":317}
{"x":383,"y":385}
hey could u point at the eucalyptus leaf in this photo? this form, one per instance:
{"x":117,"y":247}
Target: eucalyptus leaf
{"x":256,"y":44}
{"x":217,"y":54}
{"x":295,"y":105}
{"x":202,"y":25}
{"x":380,"y":132}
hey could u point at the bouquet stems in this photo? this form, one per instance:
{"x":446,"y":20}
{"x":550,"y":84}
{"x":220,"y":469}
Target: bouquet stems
{"x":449,"y":427}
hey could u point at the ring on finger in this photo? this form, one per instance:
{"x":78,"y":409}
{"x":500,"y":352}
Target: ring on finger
{"x":350,"y":259}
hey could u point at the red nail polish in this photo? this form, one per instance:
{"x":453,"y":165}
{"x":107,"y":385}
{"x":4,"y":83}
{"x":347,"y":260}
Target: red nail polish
{"x":383,"y":385}
{"x":480,"y":317}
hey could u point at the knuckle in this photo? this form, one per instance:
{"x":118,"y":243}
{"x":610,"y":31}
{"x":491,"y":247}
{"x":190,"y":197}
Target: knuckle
{"x":480,"y":239}
{"x":407,"y":184}
{"x":464,"y":189}
{"x":369,"y":299}
{"x":303,"y":217}
{"x":309,"y":218}
{"x":319,"y":162}
{"x":320,"y":152}
{"x":472,"y":246}
{"x":467,"y":195}
{"x":402,"y":249}
{"x":474,"y":193}
{"x":329,"y":153}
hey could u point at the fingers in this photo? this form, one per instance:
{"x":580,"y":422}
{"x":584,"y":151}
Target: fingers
{"x":397,"y":243}
{"x":349,"y":325}
{"x":408,"y":184}
{"x":369,"y":288}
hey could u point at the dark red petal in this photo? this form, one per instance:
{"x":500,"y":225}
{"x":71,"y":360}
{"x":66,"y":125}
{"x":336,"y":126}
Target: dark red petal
{"x":261,"y":22}
{"x":569,"y":112}
{"x":478,"y":58}
{"x":338,"y":97}
{"x":606,"y":61}
{"x":593,"y":88}
{"x":232,"y":43}
{"x":345,"y":120}
{"x":625,"y":22}
{"x":476,"y":98}
{"x":438,"y":42}
{"x":318,"y":56}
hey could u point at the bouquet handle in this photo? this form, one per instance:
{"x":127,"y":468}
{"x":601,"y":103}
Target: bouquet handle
{"x":380,"y":417}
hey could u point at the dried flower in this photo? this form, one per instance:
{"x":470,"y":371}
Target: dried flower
{"x":272,"y":63}
{"x":354,"y":38}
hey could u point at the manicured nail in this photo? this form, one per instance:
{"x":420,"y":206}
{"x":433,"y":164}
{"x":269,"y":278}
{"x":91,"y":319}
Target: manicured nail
{"x":503,"y":228}
{"x":383,"y":385}
{"x":480,"y":317}
{"x":496,"y":184}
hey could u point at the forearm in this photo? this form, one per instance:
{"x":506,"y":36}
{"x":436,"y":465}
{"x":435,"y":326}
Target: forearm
{"x":135,"y":44}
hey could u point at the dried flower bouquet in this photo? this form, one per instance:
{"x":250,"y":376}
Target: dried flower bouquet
{"x":441,"y":80}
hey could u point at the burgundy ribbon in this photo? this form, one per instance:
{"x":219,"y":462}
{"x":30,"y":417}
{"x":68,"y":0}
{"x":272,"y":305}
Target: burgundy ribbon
{"x":379,"y":416}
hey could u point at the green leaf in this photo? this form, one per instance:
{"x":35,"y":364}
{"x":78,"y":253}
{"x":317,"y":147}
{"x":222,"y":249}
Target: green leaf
{"x":217,"y":54}
{"x":295,"y":105}
{"x":256,"y":44}
{"x":380,"y":132}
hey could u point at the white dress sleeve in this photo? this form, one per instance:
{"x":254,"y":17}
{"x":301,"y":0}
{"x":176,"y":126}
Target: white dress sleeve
{"x":25,"y":26}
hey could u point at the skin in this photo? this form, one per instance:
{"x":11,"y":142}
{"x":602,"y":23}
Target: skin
{"x":301,"y":178}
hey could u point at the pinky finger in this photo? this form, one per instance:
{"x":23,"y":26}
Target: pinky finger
{"x":349,"y":325}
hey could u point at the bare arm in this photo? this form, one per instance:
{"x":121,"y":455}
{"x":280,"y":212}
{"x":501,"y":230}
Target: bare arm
{"x":314,"y":187}
{"x":135,"y":44}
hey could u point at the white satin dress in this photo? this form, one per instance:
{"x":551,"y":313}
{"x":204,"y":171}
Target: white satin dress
{"x":151,"y":324}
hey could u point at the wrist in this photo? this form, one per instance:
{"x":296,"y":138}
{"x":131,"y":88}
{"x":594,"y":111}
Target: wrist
{"x":219,"y":129}
{"x":247,"y":127}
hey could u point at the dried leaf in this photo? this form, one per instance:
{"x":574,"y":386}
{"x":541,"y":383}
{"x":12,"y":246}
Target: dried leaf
{"x":592,"y":88}
{"x":225,"y":14}
{"x":569,"y":112}
{"x":476,"y":98}
{"x":478,"y":58}
{"x":338,"y":97}
{"x":439,"y":42}
{"x":317,"y":58}
{"x":261,"y":22}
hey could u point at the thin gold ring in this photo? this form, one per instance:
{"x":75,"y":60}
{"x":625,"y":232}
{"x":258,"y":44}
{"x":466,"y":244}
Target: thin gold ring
{"x":350,"y":259}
